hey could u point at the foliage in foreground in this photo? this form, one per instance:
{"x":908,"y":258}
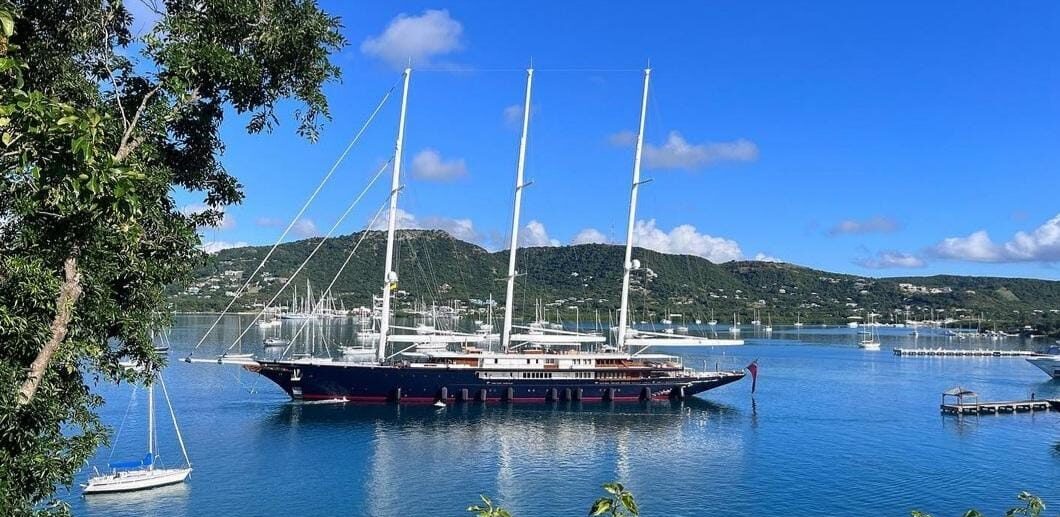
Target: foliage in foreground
{"x":1032,"y":507}
{"x":620,"y":502}
{"x":99,"y":127}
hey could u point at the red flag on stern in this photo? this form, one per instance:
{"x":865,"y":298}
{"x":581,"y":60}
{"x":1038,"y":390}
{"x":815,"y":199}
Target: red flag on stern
{"x":753,"y":368}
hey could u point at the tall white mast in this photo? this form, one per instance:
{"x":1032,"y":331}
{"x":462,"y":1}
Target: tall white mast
{"x":151,"y":423}
{"x":389,"y":275}
{"x":627,"y":266}
{"x":509,"y":296}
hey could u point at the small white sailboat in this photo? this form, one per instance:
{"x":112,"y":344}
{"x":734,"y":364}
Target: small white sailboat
{"x":145,"y":473}
{"x":713,"y":321}
{"x":769,"y":326}
{"x":870,"y":338}
{"x":798,"y":320}
{"x":735,"y":328}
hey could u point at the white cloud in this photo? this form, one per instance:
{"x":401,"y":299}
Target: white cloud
{"x":1040,"y":245}
{"x":419,"y":38}
{"x":677,"y":153}
{"x":623,"y":138}
{"x":685,"y":239}
{"x":463,"y":229}
{"x":891,"y":259}
{"x":877,"y":224}
{"x":429,"y":165}
{"x":215,"y":246}
{"x":227,"y":221}
{"x":590,"y":236}
{"x":535,"y":234}
{"x":513,"y":114}
{"x":1043,"y":244}
{"x":762,"y":257}
{"x":305,"y":227}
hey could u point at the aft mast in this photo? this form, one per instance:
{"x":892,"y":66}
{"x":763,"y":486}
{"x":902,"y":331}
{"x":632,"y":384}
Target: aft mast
{"x":509,"y":296}
{"x":628,"y":265}
{"x":389,"y":275}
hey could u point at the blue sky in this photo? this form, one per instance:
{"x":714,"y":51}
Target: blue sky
{"x":897,"y":138}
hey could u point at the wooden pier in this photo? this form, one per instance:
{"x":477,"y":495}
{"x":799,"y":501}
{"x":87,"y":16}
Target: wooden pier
{"x":960,"y":407}
{"x":958,"y":352}
{"x":1011,"y":406}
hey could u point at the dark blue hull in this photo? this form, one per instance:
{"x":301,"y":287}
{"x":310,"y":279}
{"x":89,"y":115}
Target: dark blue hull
{"x":373,"y":383}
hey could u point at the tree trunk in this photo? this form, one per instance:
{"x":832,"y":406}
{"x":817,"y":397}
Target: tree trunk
{"x":64,"y":312}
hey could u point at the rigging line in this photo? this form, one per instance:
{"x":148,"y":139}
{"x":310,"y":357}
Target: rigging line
{"x":180,"y":439}
{"x":305,"y":206}
{"x":311,"y":254}
{"x":132,"y":400}
{"x":349,"y":257}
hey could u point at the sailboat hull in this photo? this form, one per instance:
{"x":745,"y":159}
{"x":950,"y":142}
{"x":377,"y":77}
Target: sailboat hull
{"x":132,"y":480}
{"x":378,"y":384}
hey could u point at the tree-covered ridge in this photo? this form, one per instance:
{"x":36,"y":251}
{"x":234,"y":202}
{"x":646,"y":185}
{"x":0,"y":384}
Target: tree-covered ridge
{"x":435,"y":267}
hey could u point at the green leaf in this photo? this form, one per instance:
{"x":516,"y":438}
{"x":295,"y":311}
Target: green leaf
{"x":629,"y":503}
{"x":7,"y":138}
{"x":67,"y":120}
{"x":7,"y":22}
{"x":600,"y":507}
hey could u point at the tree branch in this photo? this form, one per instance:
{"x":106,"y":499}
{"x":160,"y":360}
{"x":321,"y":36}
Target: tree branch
{"x":127,"y":146}
{"x":110,"y":73}
{"x":69,"y":293}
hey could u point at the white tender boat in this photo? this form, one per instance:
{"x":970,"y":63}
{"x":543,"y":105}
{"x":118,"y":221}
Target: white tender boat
{"x":127,"y":476}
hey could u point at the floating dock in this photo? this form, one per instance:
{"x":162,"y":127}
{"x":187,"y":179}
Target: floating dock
{"x":958,"y":406}
{"x":960,"y":352}
{"x":1012,"y":406}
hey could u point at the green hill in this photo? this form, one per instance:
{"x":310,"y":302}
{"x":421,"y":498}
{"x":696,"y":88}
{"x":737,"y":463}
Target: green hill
{"x":434,"y":267}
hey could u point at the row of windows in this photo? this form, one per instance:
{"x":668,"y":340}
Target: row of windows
{"x":553,"y":361}
{"x":537,"y":375}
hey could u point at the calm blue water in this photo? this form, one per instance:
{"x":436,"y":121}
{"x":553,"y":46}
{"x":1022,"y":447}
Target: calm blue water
{"x":832,"y":430}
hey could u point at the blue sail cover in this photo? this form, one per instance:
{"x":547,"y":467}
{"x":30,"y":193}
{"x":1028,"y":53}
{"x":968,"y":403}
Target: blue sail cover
{"x":131,"y":464}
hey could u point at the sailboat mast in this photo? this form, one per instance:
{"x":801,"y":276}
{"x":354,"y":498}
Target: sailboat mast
{"x":151,"y":424}
{"x":389,"y":276}
{"x":627,"y":266}
{"x":509,"y":295}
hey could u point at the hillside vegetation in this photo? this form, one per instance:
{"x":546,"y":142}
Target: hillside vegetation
{"x":434,"y":267}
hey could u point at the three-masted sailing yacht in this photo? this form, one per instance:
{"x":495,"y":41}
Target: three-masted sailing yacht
{"x":532,"y":364}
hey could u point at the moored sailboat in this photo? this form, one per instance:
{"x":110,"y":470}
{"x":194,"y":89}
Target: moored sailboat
{"x":145,"y":473}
